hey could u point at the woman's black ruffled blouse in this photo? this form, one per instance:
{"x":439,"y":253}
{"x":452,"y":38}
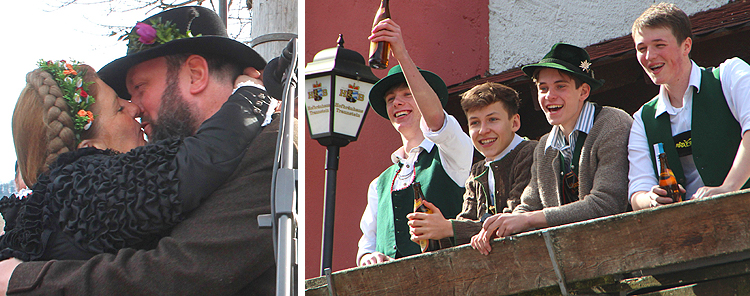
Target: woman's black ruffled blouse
{"x":94,"y":201}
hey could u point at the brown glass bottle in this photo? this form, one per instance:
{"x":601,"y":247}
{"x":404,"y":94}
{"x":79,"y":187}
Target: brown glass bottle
{"x":667,"y":181}
{"x":426,"y":245}
{"x":379,"y":51}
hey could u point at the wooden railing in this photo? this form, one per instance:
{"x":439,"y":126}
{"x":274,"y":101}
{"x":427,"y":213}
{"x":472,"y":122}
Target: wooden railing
{"x":693,"y":245}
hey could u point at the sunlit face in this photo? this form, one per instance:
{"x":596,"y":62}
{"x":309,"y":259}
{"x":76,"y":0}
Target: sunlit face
{"x":491,"y":129}
{"x":559,"y":98}
{"x":401,"y":108}
{"x":115,"y":119}
{"x":664,"y":59}
{"x":146,"y":83}
{"x":157,"y":92}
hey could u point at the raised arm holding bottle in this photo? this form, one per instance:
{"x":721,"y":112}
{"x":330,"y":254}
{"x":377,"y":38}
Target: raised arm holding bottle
{"x":412,"y":100}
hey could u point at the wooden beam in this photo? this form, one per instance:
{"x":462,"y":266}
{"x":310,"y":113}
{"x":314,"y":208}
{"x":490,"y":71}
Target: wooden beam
{"x":610,"y":284}
{"x":739,"y":285}
{"x":512,"y":266}
{"x":656,"y":237}
{"x":599,"y":251}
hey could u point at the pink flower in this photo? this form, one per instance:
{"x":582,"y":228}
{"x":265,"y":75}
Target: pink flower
{"x":147,"y":33}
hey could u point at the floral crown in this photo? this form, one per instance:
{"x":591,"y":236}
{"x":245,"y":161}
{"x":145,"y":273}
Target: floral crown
{"x":145,"y":36}
{"x":69,"y":78}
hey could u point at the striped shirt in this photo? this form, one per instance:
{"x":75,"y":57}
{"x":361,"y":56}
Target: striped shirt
{"x":557,"y":138}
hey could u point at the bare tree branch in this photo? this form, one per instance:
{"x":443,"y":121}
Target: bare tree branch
{"x":239,"y":16}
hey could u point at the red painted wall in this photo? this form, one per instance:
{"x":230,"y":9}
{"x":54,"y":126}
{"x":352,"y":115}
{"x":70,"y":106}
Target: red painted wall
{"x":449,"y":38}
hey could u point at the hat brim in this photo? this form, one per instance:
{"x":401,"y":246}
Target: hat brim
{"x":377,"y":94}
{"x":530,"y":69}
{"x":115,"y":72}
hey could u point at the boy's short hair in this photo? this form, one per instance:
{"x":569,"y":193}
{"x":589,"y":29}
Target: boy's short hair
{"x":665,"y":15}
{"x":488,"y":93}
{"x":577,"y":81}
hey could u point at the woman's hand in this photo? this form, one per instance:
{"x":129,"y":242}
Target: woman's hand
{"x":249,"y":74}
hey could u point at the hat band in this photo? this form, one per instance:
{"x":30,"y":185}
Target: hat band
{"x":145,"y":36}
{"x":567,"y":65}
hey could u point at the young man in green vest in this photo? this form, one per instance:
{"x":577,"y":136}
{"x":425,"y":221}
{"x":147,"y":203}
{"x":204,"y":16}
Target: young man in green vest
{"x":580,"y":168}
{"x":700,"y":115}
{"x":435,"y":151}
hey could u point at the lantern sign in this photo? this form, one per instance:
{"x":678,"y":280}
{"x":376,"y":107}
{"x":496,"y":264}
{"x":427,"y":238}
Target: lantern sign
{"x":337,"y":83}
{"x":350,"y":106}
{"x":318,"y":105}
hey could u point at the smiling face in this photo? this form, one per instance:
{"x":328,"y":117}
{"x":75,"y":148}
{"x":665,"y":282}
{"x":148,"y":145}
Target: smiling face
{"x":402,"y":110}
{"x":115,"y":123}
{"x":559,"y":98}
{"x":662,"y":57}
{"x":492,"y":129}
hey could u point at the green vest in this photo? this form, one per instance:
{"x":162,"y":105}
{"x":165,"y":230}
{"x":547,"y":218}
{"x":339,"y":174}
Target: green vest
{"x":716,"y":134}
{"x":438,"y":188}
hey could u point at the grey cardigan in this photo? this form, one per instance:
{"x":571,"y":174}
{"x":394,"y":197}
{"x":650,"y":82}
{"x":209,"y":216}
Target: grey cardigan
{"x":602,"y":174}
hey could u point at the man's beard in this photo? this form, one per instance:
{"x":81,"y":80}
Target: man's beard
{"x":175,"y":118}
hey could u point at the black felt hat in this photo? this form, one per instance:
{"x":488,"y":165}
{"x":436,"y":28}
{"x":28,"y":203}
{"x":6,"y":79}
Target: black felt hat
{"x":568,"y":58}
{"x":396,"y":77}
{"x":189,"y":29}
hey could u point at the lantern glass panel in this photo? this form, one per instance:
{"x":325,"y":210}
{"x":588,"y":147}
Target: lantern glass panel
{"x":351,"y":102}
{"x":318,"y":104}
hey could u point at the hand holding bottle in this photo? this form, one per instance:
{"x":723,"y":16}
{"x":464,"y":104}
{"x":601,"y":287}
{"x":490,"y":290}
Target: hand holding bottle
{"x":659,"y":195}
{"x":387,"y":30}
{"x":424,"y":226}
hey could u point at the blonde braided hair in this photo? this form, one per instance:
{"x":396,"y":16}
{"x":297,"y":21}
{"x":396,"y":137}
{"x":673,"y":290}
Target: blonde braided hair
{"x":42,"y":124}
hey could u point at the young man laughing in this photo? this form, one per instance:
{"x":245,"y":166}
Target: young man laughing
{"x":708,"y":151}
{"x":435,"y":152}
{"x":580,"y":167}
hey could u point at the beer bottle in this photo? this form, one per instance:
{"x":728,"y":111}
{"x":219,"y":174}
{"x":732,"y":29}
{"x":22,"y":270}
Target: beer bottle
{"x":667,"y":181}
{"x":426,"y":245}
{"x":379,"y":51}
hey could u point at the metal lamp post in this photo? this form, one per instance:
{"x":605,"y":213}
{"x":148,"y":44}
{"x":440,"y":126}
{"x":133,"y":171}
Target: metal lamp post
{"x":337,"y":83}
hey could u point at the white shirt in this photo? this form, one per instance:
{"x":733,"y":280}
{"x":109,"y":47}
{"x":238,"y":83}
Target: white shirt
{"x":735,"y":84}
{"x":491,"y":176}
{"x":456,"y":155}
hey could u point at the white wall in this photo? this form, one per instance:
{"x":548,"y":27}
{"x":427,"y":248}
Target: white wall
{"x":522,"y":31}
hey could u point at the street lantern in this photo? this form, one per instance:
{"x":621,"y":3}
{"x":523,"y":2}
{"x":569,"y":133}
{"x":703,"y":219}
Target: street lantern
{"x":337,"y":83}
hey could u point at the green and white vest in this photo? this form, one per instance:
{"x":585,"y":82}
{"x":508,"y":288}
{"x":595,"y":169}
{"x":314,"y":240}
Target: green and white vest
{"x":716,"y":134}
{"x":393,"y":206}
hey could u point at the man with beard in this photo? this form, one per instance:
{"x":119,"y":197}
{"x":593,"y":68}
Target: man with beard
{"x":218,"y":249}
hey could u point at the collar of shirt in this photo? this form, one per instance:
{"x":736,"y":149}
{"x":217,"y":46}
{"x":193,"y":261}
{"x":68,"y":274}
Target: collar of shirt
{"x":663,"y":105}
{"x":490,"y":175}
{"x":400,"y":154}
{"x":585,"y":121}
{"x":513,"y":144}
